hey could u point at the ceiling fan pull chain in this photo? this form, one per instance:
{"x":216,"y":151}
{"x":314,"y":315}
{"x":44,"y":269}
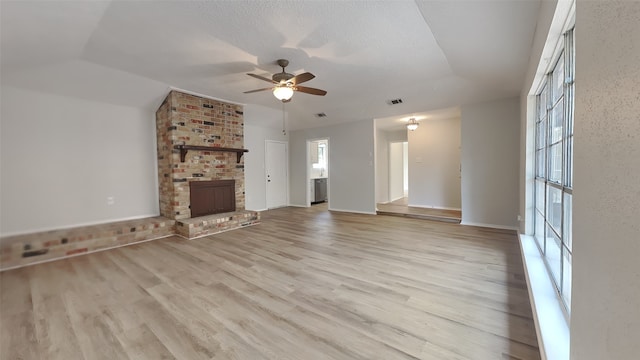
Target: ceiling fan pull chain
{"x":284,"y":132}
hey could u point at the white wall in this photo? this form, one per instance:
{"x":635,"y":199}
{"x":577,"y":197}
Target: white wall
{"x":382,"y":166}
{"x":61,"y":157}
{"x":405,"y":167}
{"x":396,"y":171}
{"x":490,"y":163}
{"x":397,"y":135}
{"x":261,"y":124}
{"x":352,"y":174}
{"x":605,"y":319}
{"x":434,"y":164}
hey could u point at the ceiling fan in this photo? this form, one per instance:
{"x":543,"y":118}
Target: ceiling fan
{"x":285,"y":84}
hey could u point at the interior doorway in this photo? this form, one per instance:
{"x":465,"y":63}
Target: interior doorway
{"x":398,"y":171}
{"x":318,"y":171}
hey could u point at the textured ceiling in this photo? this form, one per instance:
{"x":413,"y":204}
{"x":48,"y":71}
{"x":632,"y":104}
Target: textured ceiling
{"x":432,"y":54}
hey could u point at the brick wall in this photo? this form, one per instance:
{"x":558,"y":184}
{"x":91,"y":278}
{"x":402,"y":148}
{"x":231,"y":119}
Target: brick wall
{"x":185,"y":119}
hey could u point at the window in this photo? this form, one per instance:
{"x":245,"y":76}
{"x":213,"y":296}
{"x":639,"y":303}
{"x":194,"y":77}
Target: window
{"x":554,"y":168}
{"x":319,"y":155}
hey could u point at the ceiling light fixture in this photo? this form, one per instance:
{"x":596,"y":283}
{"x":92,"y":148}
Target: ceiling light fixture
{"x":413,"y":124}
{"x":283,"y":92}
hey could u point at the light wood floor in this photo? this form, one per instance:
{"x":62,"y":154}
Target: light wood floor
{"x":401,"y":207}
{"x":305,"y":284}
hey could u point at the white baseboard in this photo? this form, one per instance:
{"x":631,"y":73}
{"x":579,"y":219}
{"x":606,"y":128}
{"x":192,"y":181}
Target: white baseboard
{"x":435,"y":207}
{"x":298,"y":205}
{"x":353,"y":211}
{"x":492,"y":226}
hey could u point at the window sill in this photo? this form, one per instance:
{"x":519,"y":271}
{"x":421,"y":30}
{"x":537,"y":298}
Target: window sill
{"x":551,"y":327}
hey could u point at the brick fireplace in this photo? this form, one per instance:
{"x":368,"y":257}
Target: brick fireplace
{"x":199,"y":140}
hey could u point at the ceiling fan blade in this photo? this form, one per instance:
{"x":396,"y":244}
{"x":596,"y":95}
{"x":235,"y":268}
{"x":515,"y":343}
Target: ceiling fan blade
{"x":299,"y":79}
{"x":311,"y":91}
{"x":256,"y":90}
{"x":262,"y":78}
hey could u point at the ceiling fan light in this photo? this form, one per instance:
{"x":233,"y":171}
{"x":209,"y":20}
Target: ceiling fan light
{"x":283,"y":93}
{"x":412,"y":125}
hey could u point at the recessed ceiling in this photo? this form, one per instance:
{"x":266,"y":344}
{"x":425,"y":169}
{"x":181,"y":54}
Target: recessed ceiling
{"x":431,"y":54}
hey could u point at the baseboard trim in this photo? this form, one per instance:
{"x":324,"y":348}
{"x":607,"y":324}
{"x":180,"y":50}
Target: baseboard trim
{"x":492,"y":226}
{"x":353,"y":211}
{"x":435,"y":207}
{"x":297,"y":205}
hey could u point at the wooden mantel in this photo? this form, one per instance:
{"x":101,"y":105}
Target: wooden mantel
{"x":185,"y":148}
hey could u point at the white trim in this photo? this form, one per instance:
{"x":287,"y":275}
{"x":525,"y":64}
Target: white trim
{"x":435,"y":207}
{"x":353,"y":211}
{"x":298,"y":205}
{"x":563,"y":20}
{"x":66,"y":227}
{"x":396,"y":199}
{"x":84,"y":253}
{"x":492,"y":226}
{"x":551,"y":325}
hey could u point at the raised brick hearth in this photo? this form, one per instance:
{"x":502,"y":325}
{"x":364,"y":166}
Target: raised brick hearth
{"x":217,"y":223}
{"x":27,"y":249}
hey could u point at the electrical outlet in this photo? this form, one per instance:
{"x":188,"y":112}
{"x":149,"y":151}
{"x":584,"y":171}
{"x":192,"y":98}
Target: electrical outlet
{"x":519,"y":218}
{"x":111,"y":200}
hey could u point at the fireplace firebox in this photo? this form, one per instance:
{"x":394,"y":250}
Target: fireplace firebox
{"x":212,"y":197}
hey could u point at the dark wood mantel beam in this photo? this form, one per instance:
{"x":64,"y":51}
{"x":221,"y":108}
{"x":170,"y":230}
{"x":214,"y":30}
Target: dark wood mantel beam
{"x":185,"y":148}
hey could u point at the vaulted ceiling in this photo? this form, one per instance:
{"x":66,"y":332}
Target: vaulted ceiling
{"x":431,"y":54}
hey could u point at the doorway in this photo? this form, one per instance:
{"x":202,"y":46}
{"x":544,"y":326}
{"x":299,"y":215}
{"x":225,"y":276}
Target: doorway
{"x":398,"y":171}
{"x":276,"y":168}
{"x":318,"y":171}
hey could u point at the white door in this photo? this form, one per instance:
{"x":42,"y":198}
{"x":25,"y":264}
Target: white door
{"x":276,"y":161}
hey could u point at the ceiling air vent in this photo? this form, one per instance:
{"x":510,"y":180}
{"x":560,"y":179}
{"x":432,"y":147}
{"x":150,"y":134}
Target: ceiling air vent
{"x":394,"y":101}
{"x":320,"y":115}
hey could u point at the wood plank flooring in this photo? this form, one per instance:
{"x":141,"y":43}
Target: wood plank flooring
{"x":304,"y":284}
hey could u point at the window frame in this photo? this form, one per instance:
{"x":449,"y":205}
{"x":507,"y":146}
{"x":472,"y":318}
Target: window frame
{"x":546,"y":177}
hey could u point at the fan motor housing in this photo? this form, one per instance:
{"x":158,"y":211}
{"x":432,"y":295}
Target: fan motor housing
{"x":283,"y":76}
